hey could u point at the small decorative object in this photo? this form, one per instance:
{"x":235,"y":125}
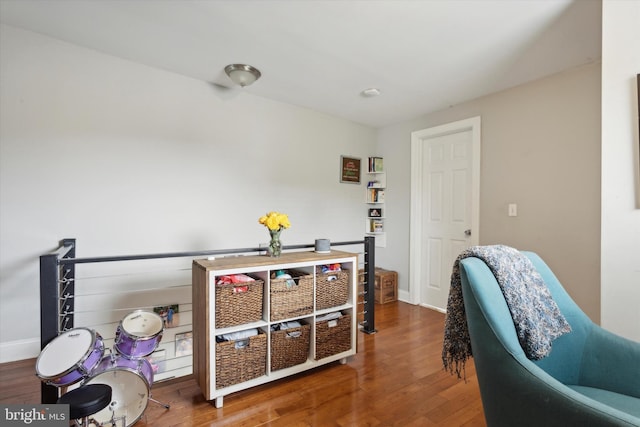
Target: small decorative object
{"x":275,"y":223}
{"x":323,"y":246}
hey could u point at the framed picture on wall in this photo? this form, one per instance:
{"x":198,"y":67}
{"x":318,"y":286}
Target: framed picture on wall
{"x":375,"y":213}
{"x":157,"y":361}
{"x":349,"y":170}
{"x":169,"y":314}
{"x":184,"y":344}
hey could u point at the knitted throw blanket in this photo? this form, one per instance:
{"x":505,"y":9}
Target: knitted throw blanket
{"x":536,"y":316}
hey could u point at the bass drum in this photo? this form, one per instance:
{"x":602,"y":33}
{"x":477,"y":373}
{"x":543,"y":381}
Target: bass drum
{"x":130,"y":381}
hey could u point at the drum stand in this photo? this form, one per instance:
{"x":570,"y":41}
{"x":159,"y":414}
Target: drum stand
{"x":112,"y":422}
{"x":157,"y":402}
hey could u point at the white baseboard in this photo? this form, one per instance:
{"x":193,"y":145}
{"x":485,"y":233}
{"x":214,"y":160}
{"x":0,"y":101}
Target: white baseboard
{"x":432,"y":307}
{"x":404,"y":296}
{"x":19,"y":350}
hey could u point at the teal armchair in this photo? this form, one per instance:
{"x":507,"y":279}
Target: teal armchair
{"x":590,"y":378}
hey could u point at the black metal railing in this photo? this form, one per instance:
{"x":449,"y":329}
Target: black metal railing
{"x":58,"y":292}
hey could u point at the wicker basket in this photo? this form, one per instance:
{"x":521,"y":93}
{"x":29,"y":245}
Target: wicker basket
{"x":236,"y":365}
{"x":238,"y":303}
{"x":333,"y":336}
{"x":332,"y":288}
{"x":289,"y":299}
{"x":290,"y":347}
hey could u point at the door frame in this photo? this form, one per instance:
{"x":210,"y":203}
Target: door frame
{"x":418,"y":138}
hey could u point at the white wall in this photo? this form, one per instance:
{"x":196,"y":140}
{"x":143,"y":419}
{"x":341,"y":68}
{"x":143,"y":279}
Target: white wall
{"x":129,"y":159}
{"x":620,"y":168}
{"x":541,"y":150}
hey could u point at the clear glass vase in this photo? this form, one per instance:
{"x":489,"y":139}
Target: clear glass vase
{"x":275,"y":245}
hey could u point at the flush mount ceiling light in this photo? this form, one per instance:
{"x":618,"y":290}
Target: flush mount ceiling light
{"x":242,"y":74}
{"x":371,"y":92}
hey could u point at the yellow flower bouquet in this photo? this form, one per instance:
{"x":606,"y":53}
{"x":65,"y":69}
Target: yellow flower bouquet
{"x":275,"y":223}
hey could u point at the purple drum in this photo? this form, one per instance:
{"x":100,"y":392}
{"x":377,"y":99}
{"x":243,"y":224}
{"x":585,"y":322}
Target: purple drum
{"x":130,"y":381}
{"x":70,"y":357}
{"x":138,"y":334}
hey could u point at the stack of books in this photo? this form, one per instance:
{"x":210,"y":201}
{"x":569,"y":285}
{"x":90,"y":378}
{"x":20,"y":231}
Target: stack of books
{"x":376,"y":164}
{"x":376,"y":226}
{"x":375,"y":195}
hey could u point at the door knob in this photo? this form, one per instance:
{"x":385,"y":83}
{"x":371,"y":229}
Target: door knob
{"x":467,"y":232}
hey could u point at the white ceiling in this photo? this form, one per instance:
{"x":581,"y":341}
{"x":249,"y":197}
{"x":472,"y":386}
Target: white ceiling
{"x":423,"y":55}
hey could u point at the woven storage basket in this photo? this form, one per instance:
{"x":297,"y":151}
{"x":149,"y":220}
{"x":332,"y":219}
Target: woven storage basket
{"x":290,"y":347}
{"x":332,"y":288}
{"x":236,"y":365}
{"x":333,"y":336}
{"x":291,"y":300}
{"x":238,"y":303}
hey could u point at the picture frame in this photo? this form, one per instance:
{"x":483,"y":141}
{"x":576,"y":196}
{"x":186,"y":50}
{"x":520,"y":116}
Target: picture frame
{"x":184,"y":344}
{"x":157,"y":361}
{"x":375,"y":213}
{"x":169,"y":314}
{"x":350,"y":168}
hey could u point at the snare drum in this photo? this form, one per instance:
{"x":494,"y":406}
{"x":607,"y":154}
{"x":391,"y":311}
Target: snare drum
{"x":130,"y":381}
{"x":70,"y":357}
{"x":139,"y":334}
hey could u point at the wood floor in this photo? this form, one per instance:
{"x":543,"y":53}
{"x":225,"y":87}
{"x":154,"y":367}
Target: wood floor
{"x":396,"y":379}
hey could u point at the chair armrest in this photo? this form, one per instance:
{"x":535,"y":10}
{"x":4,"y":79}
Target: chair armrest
{"x":611,"y":362}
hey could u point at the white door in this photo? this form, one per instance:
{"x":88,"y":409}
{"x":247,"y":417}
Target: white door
{"x":446,"y":207}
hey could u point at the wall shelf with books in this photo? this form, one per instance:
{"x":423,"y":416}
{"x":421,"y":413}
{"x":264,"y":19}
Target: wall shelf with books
{"x":375,"y":199}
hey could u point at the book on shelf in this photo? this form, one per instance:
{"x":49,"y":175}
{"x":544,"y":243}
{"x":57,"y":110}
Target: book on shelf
{"x":375,"y":195}
{"x":376,"y":226}
{"x":376,"y":164}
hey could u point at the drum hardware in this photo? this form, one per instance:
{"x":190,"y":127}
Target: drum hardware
{"x":164,"y":405}
{"x":113,"y":422}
